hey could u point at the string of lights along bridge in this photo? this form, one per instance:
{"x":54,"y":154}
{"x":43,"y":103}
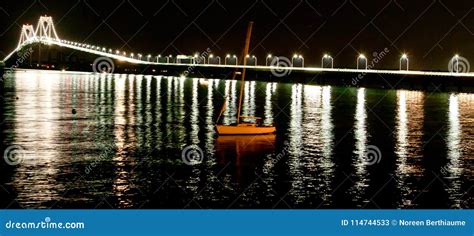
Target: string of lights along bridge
{"x":45,"y":33}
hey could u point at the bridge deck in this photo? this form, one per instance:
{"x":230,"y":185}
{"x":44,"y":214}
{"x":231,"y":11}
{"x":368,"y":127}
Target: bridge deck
{"x":61,"y":43}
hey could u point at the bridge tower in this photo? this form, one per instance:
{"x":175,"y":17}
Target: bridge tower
{"x":27,"y":33}
{"x":45,"y":29}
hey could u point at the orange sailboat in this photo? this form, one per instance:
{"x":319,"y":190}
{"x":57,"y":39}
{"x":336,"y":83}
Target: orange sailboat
{"x":244,"y":128}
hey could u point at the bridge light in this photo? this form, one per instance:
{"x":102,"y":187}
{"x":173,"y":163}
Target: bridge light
{"x":327,"y":57}
{"x":211,"y":56}
{"x":228,"y":56}
{"x":269,"y":60}
{"x":254,"y":60}
{"x":297,"y":56}
{"x":404,"y":58}
{"x":159,"y":56}
{"x":456,"y":58}
{"x":124,"y":54}
{"x":103,"y":49}
{"x":247,"y":56}
{"x":196,"y":55}
{"x":362,"y":57}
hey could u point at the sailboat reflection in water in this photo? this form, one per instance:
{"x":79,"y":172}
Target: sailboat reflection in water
{"x":244,"y":150}
{"x":244,"y":128}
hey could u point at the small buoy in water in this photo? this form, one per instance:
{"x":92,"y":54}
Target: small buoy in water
{"x":74,"y":111}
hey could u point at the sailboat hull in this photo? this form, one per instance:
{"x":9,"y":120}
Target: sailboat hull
{"x":244,"y":129}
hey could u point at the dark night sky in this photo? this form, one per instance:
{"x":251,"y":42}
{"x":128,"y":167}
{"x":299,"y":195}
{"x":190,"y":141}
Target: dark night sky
{"x":431,"y":32}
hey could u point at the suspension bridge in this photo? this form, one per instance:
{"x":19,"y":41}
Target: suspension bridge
{"x":288,"y":69}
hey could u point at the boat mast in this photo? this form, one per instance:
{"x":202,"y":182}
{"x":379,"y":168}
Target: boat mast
{"x":244,"y":56}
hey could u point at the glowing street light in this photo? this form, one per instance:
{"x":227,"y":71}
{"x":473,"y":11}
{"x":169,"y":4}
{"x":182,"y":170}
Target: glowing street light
{"x":269,"y":60}
{"x":132,"y":55}
{"x":297,"y":57}
{"x":139,"y":56}
{"x":197,"y":59}
{"x":158,"y":58}
{"x":362,"y":58}
{"x":404,"y":58}
{"x":456,"y":58}
{"x":253,"y":58}
{"x":228,"y":57}
{"x":212,"y":56}
{"x":148,"y":57}
{"x":209,"y":59}
{"x":329,"y":58}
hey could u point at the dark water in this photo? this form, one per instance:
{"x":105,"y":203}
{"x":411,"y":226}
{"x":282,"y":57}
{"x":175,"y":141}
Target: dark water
{"x":335,"y":147}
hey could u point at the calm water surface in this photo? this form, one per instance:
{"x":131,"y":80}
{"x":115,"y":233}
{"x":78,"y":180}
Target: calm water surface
{"x":335,"y":147}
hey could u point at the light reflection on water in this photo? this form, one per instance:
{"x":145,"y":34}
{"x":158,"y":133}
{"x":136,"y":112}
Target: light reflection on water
{"x":123,"y":146}
{"x":408,"y":148}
